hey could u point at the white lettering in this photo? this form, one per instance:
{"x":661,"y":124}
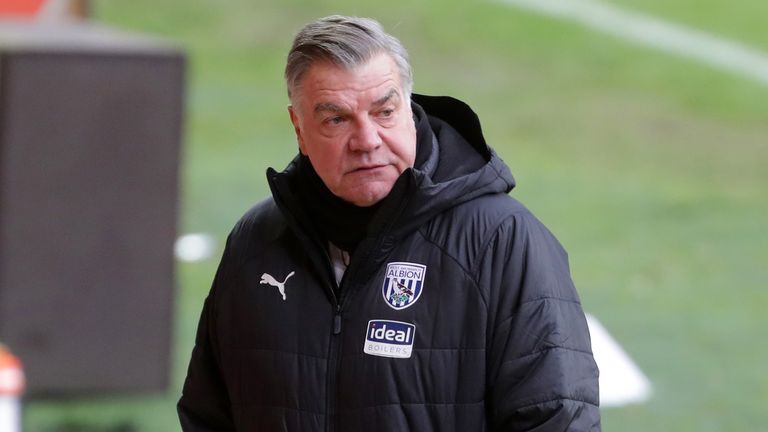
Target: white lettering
{"x":387,"y":350}
{"x":389,"y":339}
{"x":384,"y":333}
{"x":404,"y":272}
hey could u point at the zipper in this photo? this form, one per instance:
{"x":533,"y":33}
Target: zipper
{"x":337,"y":321}
{"x":333,"y":367}
{"x":345,"y":289}
{"x":340,"y":298}
{"x":279,"y":194}
{"x":382,"y":245}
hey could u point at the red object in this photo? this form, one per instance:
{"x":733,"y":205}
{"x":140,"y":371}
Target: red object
{"x":20,"y":7}
{"x":11,"y":374}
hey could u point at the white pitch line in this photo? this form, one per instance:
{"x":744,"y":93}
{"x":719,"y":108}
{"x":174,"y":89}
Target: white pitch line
{"x":677,"y":39}
{"x":621,"y":380}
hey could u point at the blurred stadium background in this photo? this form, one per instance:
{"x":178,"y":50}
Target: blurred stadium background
{"x":649,"y":167}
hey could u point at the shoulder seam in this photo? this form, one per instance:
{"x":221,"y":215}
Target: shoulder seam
{"x":556,"y":400}
{"x":458,"y":263}
{"x":549,"y":348}
{"x":540,"y":299}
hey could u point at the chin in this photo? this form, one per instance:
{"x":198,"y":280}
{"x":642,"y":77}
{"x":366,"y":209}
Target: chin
{"x":365,"y":201}
{"x":368,"y":197}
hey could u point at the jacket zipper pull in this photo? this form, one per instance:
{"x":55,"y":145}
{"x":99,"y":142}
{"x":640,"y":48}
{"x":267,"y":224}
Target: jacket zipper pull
{"x":337,"y":323}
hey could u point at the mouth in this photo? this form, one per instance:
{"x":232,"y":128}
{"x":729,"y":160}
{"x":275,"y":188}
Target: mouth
{"x":366,"y":168}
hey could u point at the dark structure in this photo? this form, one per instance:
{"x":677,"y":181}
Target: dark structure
{"x":90,"y":128}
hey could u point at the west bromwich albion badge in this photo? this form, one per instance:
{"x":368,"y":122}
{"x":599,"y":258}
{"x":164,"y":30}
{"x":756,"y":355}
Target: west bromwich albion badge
{"x":403,"y":283}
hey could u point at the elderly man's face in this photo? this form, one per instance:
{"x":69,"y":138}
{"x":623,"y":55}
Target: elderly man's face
{"x":356,"y":127}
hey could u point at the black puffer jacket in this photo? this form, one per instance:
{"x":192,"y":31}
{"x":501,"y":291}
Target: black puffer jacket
{"x":457,"y":313}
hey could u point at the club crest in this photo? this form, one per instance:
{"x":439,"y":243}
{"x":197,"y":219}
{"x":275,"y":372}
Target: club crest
{"x":403,"y":283}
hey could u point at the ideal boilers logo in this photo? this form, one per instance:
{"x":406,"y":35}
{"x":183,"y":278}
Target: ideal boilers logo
{"x":389,"y":339}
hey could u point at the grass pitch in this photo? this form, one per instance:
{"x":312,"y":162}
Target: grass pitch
{"x":649,"y":168}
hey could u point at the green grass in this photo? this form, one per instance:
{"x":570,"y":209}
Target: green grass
{"x":649,"y":168}
{"x":742,"y":21}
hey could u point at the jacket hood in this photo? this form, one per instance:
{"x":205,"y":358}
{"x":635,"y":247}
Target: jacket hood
{"x":463,"y":168}
{"x":466,"y":166}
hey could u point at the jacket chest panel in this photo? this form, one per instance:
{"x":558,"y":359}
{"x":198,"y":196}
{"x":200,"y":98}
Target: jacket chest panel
{"x":445,"y":304}
{"x":404,"y":354}
{"x":274,"y":322}
{"x":276,"y":306}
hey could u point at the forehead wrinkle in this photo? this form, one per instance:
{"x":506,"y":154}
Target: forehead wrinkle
{"x":330,"y":107}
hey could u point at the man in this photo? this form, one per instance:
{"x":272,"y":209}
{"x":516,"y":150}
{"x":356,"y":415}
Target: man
{"x":389,"y":283}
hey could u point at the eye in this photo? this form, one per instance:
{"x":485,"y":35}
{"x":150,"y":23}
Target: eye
{"x":333,"y":121}
{"x":386,"y":113}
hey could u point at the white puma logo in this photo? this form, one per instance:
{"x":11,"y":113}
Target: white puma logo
{"x":268,"y":279}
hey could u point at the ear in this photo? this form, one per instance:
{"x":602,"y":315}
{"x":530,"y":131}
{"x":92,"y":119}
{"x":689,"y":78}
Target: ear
{"x":297,"y":128}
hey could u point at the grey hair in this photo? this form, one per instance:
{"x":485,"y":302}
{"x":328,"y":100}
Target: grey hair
{"x":347,"y":42}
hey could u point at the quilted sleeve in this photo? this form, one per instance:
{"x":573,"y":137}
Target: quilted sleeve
{"x":541,"y":375}
{"x":204,"y":405}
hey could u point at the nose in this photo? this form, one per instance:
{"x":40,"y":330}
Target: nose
{"x":366,"y":137}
